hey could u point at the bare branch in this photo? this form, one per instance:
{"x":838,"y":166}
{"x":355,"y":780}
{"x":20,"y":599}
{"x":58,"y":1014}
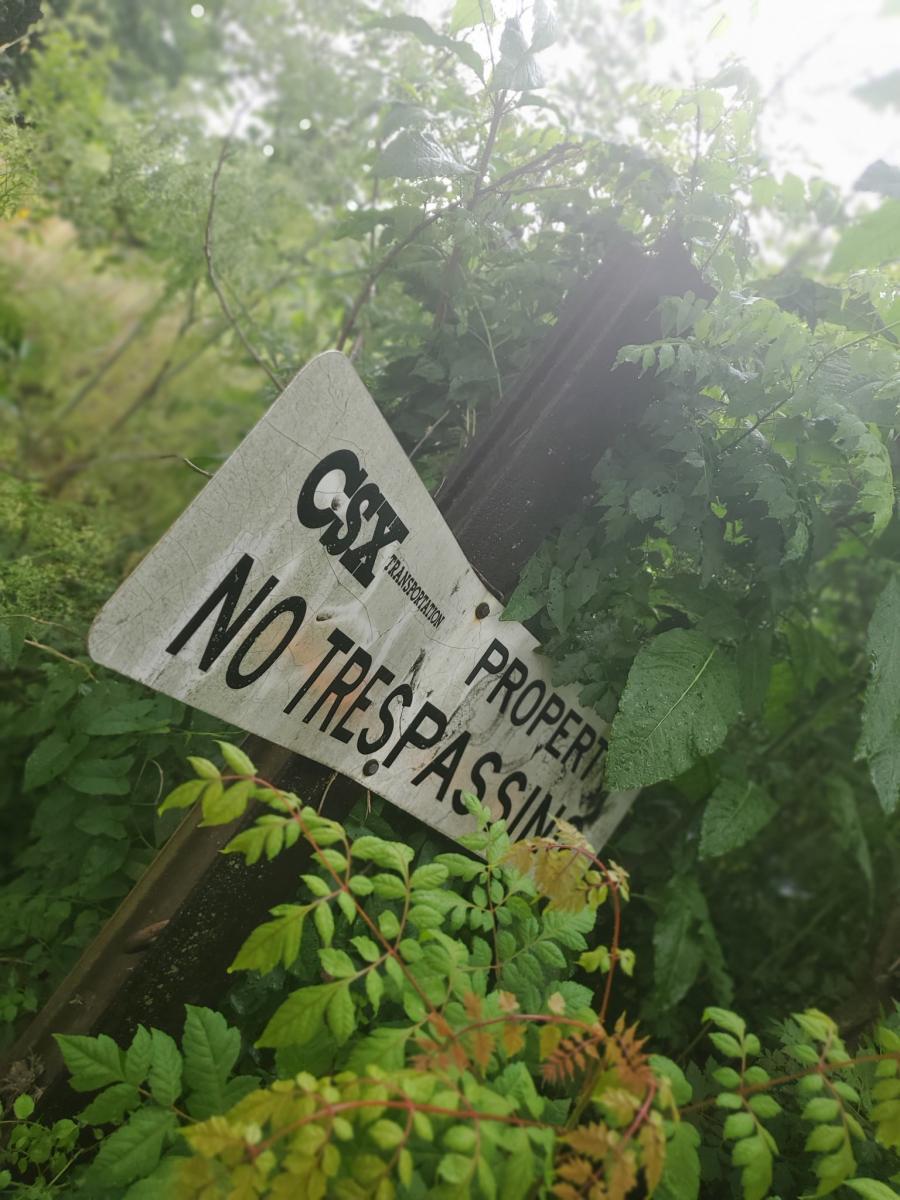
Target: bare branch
{"x":211,"y":269}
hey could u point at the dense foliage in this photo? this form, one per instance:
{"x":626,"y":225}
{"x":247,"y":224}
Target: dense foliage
{"x":420,"y":196}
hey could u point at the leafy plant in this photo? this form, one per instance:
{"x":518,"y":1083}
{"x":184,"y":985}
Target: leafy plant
{"x":440,"y":1076}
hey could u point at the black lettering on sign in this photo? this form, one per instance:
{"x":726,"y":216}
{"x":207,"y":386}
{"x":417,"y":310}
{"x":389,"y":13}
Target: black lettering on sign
{"x":540,"y":820}
{"x":343,"y":683}
{"x":366,"y":503}
{"x":445,"y":764}
{"x":520,"y":779}
{"x":227,"y":625}
{"x":380,"y":675}
{"x":413,"y":735}
{"x":493,"y":759}
{"x":340,"y":644}
{"x":293,"y":605}
{"x":492,"y":661}
{"x":510,"y":681}
{"x":562,"y":731}
{"x":537,"y":688}
{"x":405,"y":692}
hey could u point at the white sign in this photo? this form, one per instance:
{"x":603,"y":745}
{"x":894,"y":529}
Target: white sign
{"x":313,"y":594}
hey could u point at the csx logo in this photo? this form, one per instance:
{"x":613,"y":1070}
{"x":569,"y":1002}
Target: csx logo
{"x":319,"y":507}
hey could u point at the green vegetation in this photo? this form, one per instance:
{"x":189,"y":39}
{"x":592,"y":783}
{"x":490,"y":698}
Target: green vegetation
{"x":728,"y":601}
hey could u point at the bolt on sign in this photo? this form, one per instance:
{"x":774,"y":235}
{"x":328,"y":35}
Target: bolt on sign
{"x":313,"y":594}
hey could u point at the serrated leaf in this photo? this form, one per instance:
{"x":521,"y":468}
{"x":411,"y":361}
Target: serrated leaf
{"x":134,"y":1150}
{"x":299,"y":1017}
{"x":111,"y":1105}
{"x":679,"y":702}
{"x":164,"y":1075}
{"x":385,"y":1047}
{"x":93,"y":1062}
{"x":273,"y":942}
{"x":341,"y":1014}
{"x":211,"y":1049}
{"x":734,"y":813}
{"x":138,"y":1056}
{"x":681,"y":1171}
{"x":415,"y":155}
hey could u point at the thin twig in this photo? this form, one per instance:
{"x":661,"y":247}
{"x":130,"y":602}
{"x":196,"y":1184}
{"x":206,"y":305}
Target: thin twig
{"x":427,"y":434}
{"x":540,"y":162}
{"x":210,"y":265}
{"x":59,"y":654}
{"x":809,"y":378}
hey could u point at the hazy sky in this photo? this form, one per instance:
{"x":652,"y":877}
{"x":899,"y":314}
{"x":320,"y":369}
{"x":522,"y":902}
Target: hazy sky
{"x":820,"y":50}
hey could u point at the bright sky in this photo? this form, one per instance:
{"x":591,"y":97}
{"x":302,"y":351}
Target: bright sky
{"x":813,"y":52}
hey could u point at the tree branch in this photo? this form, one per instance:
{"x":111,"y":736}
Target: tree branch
{"x":211,"y":270}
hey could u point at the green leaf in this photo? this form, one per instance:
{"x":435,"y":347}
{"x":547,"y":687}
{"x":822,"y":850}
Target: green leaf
{"x":299,"y":1017}
{"x":221,"y":805}
{"x":49,"y":759}
{"x":111,"y":1105}
{"x":467,"y":13}
{"x":679,"y":702}
{"x":415,"y":155}
{"x":726,"y":1020}
{"x":134,"y":1150}
{"x":164,"y":1076}
{"x":517,"y":69}
{"x":821,"y":1108}
{"x":727,"y":1045}
{"x":739,"y":1125}
{"x":273,"y":942}
{"x":665,"y":1067}
{"x":210,"y":1049}
{"x":871,"y":1189}
{"x":203,"y":768}
{"x":138,"y":1056}
{"x":93,"y":1062}
{"x":545,"y":26}
{"x":428,"y":36}
{"x":183,"y":796}
{"x":872,"y":240}
{"x":681,"y":1172}
{"x":236,"y":759}
{"x":392,"y":856}
{"x":337,"y":963}
{"x":734,"y":813}
{"x":879,"y":742}
{"x":384,"y":1047}
{"x":341,"y":1014}
{"x":100,"y":776}
{"x":12,"y":638}
{"x":764,"y":1106}
{"x":23,"y":1106}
